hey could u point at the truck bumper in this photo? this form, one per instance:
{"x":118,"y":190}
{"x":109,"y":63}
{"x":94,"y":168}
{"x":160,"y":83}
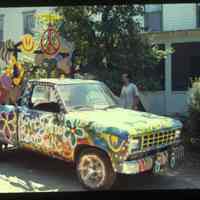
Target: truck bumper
{"x":153,"y":162}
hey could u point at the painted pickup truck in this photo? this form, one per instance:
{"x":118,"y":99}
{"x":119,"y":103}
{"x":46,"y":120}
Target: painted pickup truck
{"x":80,"y":121}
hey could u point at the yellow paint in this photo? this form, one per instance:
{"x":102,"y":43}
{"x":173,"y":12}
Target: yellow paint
{"x":62,"y":76}
{"x":113,"y":149}
{"x":8,"y":71}
{"x":47,"y":17}
{"x":114,"y":139}
{"x":28,"y":44}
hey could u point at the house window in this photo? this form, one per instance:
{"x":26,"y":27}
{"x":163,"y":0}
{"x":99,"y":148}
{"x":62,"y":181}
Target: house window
{"x":1,"y":27}
{"x":153,"y":17}
{"x":185,"y":64}
{"x":29,"y":22}
{"x":198,"y":15}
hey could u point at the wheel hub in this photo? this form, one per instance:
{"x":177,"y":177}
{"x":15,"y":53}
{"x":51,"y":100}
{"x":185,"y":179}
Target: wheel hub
{"x":92,"y":170}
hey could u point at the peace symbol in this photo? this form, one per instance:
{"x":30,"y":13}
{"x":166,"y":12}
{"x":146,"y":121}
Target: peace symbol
{"x":50,"y":41}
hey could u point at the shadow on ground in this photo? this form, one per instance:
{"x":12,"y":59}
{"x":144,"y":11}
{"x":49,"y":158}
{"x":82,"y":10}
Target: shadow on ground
{"x":30,"y":172}
{"x":26,"y":171}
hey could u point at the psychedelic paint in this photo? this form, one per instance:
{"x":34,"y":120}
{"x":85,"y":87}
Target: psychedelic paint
{"x":8,"y":125}
{"x":60,"y":134}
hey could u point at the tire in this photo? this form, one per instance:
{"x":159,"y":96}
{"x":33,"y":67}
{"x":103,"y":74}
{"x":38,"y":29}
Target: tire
{"x":107,"y":177}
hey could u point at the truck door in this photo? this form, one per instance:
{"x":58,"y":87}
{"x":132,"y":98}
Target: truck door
{"x":40,"y":122}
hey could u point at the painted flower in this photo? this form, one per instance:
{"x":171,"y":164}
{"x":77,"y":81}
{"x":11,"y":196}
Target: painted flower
{"x":7,"y":124}
{"x":73,"y":132}
{"x":15,"y":70}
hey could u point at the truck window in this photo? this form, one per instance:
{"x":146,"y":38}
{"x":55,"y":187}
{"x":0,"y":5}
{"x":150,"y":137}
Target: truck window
{"x":40,"y":95}
{"x":44,"y":99}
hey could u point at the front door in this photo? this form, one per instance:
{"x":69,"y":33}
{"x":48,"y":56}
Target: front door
{"x":41,"y":121}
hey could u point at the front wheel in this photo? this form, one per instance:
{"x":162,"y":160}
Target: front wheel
{"x":95,"y":170}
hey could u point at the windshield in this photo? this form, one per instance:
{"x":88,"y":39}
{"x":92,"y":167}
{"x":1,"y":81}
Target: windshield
{"x":87,"y":96}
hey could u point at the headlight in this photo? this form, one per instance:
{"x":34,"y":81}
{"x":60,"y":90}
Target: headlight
{"x":177,"y":134}
{"x":134,"y":144}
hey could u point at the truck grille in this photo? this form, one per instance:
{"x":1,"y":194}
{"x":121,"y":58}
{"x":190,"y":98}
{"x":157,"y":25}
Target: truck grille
{"x":157,"y":139}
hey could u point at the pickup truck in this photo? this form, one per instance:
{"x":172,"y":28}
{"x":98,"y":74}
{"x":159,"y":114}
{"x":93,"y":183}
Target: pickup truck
{"x":80,"y":121}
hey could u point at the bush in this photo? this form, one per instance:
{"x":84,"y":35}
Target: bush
{"x":194,"y":109}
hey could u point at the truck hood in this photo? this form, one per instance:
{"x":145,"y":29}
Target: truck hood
{"x":133,"y":122}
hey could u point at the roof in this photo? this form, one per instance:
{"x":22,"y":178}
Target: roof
{"x":63,"y":81}
{"x":173,"y":31}
{"x":189,"y":35}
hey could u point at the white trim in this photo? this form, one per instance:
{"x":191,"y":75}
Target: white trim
{"x":179,"y":92}
{"x":168,"y":79}
{"x":175,"y":36}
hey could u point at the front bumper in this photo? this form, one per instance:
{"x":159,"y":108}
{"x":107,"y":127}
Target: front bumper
{"x":167,"y":157}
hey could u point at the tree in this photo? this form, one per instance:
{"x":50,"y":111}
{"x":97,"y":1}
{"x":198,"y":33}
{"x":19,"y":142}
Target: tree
{"x":108,"y":40}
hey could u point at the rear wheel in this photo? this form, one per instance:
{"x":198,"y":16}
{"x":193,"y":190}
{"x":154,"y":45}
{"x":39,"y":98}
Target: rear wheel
{"x":95,"y":170}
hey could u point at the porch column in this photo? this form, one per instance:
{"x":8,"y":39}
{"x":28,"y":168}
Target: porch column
{"x":168,"y":79}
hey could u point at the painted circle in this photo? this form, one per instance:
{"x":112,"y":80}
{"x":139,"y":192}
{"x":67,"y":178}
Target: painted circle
{"x":28,"y":44}
{"x":47,"y":43}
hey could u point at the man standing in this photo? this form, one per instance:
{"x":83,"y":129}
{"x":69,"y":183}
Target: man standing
{"x":129,"y":96}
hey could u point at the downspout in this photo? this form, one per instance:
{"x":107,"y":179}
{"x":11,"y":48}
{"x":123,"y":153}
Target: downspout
{"x":168,"y":78}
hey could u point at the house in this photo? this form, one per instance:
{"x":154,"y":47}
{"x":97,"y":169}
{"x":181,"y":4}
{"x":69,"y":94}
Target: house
{"x":15,"y":22}
{"x":171,"y":25}
{"x":176,"y":26}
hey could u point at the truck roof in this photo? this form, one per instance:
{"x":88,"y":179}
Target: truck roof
{"x":63,"y":81}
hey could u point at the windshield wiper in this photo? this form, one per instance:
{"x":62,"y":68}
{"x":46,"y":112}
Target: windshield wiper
{"x":112,"y":106}
{"x":82,"y":107}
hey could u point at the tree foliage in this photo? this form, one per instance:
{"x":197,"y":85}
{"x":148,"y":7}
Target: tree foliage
{"x":194,"y":108}
{"x":108,"y":41}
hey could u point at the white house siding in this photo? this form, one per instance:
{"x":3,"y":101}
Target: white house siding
{"x":152,"y":7}
{"x":153,"y":102}
{"x":178,"y":102}
{"x":179,"y":16}
{"x":13,"y":21}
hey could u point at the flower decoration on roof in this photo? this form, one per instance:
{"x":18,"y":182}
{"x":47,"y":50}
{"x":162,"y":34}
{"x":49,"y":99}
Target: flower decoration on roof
{"x":50,"y":38}
{"x":48,"y":17}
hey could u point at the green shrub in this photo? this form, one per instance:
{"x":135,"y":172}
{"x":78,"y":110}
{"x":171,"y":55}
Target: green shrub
{"x":194,"y":109}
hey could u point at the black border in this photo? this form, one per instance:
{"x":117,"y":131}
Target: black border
{"x":31,"y":3}
{"x":146,"y":194}
{"x":109,"y":195}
